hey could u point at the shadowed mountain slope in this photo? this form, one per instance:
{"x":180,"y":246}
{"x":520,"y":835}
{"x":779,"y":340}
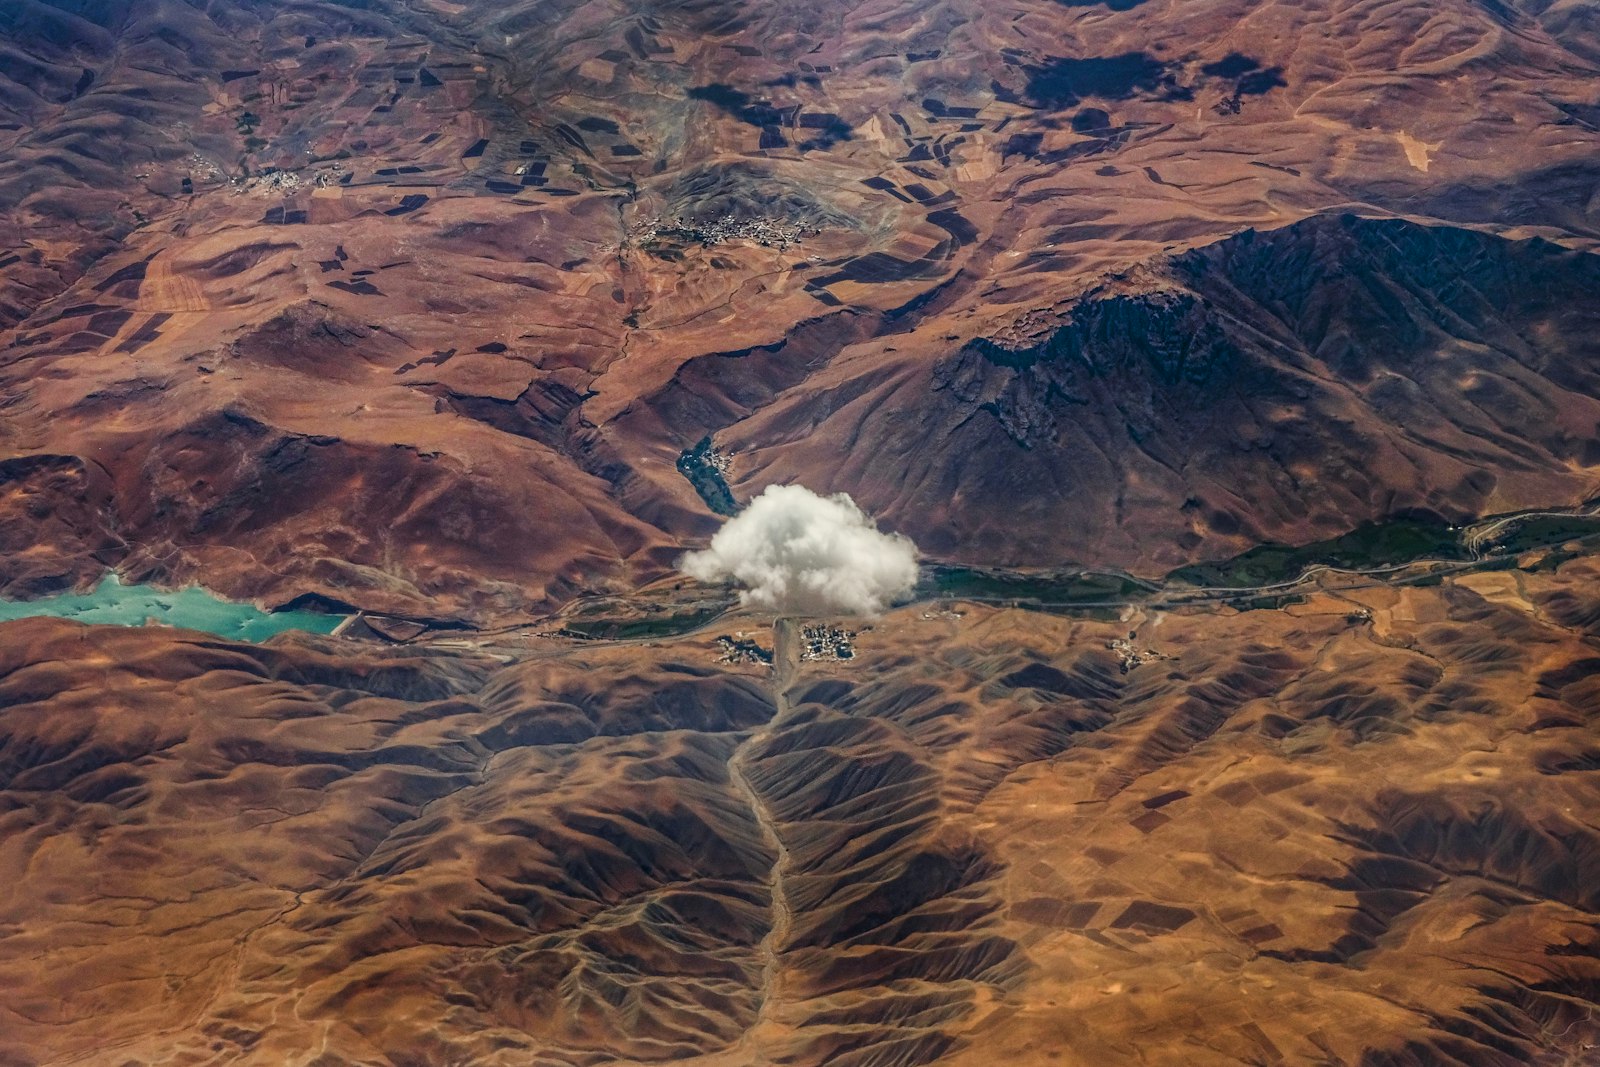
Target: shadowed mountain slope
{"x":319,"y":296}
{"x":1278,"y":386}
{"x":1358,"y":830}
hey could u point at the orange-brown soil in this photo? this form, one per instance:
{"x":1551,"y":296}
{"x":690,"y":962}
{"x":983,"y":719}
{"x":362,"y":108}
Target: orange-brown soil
{"x":1359,"y":830}
{"x":414,"y":305}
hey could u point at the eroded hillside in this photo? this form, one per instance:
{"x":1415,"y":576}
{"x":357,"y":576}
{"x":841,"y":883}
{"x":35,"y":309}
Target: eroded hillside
{"x":1358,"y":830}
{"x":302,"y":298}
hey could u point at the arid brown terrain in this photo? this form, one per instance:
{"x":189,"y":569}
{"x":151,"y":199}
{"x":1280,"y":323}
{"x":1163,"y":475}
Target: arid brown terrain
{"x":1360,"y":830}
{"x":304,"y":298}
{"x":474,"y":316}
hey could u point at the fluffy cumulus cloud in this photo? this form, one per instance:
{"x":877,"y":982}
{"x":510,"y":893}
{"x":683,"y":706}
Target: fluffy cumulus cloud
{"x":797,"y":553}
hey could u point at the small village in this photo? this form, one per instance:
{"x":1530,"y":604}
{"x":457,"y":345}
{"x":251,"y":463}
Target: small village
{"x":826,"y":643}
{"x":741,"y":648}
{"x":772,"y":233}
{"x":1132,"y":655}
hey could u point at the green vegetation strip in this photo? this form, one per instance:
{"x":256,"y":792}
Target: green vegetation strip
{"x":973,"y":584}
{"x":1374,"y":545}
{"x":1264,"y":576}
{"x":642,"y":629}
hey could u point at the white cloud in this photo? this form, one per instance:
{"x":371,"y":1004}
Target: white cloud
{"x":797,"y":553}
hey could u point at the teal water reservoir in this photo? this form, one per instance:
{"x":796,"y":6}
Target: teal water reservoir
{"x":113,"y":603}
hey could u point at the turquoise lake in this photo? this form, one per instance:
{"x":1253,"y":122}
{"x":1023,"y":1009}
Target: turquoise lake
{"x":193,"y":608}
